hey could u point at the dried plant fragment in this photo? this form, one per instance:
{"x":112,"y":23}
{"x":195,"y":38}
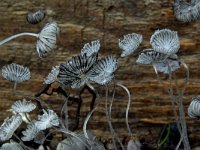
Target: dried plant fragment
{"x":160,"y":61}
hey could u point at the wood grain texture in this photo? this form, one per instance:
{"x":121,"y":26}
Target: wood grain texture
{"x":82,"y":21}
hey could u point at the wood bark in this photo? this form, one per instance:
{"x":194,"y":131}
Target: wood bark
{"x":82,"y":21}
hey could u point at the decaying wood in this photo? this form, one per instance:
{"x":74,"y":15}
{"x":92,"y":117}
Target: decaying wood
{"x":82,"y":21}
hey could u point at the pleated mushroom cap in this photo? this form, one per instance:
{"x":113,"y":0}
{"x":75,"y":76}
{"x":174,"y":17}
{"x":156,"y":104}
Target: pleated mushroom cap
{"x":165,"y":41}
{"x":47,"y":38}
{"x":91,"y":48}
{"x":15,"y":73}
{"x":130,"y":43}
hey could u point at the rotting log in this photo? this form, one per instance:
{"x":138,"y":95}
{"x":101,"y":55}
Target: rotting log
{"x":82,"y":21}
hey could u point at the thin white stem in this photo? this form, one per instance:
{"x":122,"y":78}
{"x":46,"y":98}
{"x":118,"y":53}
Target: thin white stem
{"x":65,"y":110}
{"x":110,"y":112}
{"x":187,"y":75}
{"x":179,"y":143}
{"x":91,"y":112}
{"x":17,"y":35}
{"x":113,"y":96}
{"x":173,"y":101}
{"x":182,"y":118}
{"x":183,"y":129}
{"x":108,"y":115}
{"x":87,"y":119}
{"x":171,"y":93}
{"x":179,"y":101}
{"x":182,"y":113}
{"x":14,"y":87}
{"x":128,"y":106}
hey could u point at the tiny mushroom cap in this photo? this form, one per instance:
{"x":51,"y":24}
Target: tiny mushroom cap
{"x":74,"y":73}
{"x":11,"y":146}
{"x":52,"y":76}
{"x":161,"y":62}
{"x":47,"y":38}
{"x":194,"y":108}
{"x":103,"y":70}
{"x":47,"y":120}
{"x":9,"y":126}
{"x":15,"y":73}
{"x":195,"y":9}
{"x":91,"y":48}
{"x":23,"y":106}
{"x":183,"y":11}
{"x":130,"y":43}
{"x":167,"y":66}
{"x":149,"y":56}
{"x":36,"y":17}
{"x":31,"y":132}
{"x":165,"y":41}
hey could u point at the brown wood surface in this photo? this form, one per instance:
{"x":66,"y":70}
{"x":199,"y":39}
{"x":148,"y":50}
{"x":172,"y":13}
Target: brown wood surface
{"x":82,"y":21}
